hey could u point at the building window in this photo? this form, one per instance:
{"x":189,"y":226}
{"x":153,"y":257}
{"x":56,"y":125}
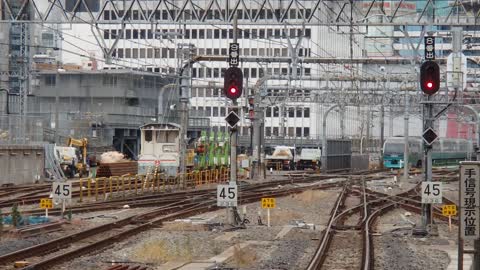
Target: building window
{"x":50,"y":80}
{"x":268,"y":131}
{"x":291,"y":112}
{"x":290,"y":131}
{"x":298,"y":132}
{"x":120,"y":53}
{"x":262,"y":32}
{"x":299,"y":112}
{"x":275,"y":131}
{"x":134,"y":53}
{"x":201,"y":33}
{"x":306,"y":113}
{"x":269,"y":112}
{"x":208,"y":111}
{"x":246,"y":73}
{"x":215,"y":111}
{"x":128,"y":53}
{"x":194,"y":33}
{"x":223,"y":111}
{"x":277,"y":33}
{"x":275,"y":111}
{"x":216,"y":33}
{"x":308,"y":32}
{"x":254,"y":73}
{"x":132,"y":101}
{"x":306,"y":132}
{"x":308,"y":72}
{"x":269,"y":33}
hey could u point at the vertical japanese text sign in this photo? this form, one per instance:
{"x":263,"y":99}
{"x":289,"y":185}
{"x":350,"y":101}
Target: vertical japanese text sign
{"x":469,"y":200}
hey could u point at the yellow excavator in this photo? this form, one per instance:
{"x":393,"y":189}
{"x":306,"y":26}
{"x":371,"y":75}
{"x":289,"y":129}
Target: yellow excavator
{"x":81,"y":165}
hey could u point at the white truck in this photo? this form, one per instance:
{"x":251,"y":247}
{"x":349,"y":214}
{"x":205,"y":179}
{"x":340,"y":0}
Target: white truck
{"x":308,"y":158}
{"x":281,"y":158}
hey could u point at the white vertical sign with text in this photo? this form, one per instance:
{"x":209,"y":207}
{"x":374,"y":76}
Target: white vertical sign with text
{"x":469,"y":200}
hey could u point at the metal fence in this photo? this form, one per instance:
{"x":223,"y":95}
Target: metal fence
{"x":12,"y":132}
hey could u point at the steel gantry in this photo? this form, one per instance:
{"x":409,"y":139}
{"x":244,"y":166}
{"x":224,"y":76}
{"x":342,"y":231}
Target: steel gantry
{"x":313,"y":12}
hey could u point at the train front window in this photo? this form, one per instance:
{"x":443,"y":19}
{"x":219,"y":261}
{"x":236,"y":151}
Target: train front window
{"x":394,"y":148}
{"x":148,"y":135}
{"x":166,"y":136}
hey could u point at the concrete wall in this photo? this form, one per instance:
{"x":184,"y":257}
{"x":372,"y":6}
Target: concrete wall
{"x":21,"y":164}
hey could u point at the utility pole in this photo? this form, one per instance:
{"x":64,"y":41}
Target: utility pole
{"x":382,"y":133}
{"x":185,"y":85}
{"x":405,"y":136}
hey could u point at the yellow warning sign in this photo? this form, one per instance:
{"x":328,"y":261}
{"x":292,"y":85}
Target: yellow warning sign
{"x":268,"y":203}
{"x":449,"y":210}
{"x":46,"y":203}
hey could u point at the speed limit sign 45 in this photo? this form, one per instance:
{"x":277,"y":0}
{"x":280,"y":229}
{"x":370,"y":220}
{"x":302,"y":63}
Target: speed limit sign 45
{"x":61,"y":190}
{"x":227,"y":195}
{"x":431,"y":192}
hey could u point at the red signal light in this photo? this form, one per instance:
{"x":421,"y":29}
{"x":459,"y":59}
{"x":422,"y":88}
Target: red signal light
{"x":233,"y":90}
{"x":430,"y":77}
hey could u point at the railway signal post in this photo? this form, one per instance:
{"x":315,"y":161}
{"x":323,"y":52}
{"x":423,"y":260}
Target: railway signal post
{"x":233,"y":86}
{"x":429,"y":84}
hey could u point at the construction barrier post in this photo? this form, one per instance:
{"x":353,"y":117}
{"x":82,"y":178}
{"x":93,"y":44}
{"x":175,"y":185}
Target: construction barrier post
{"x":104,"y":188}
{"x":96,"y":189}
{"x":122,"y":178}
{"x":89,"y":185}
{"x":80,"y":183}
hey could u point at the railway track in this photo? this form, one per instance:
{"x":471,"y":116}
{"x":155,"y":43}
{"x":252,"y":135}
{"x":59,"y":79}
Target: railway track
{"x":161,"y":198}
{"x":373,"y":205}
{"x":97,"y":238}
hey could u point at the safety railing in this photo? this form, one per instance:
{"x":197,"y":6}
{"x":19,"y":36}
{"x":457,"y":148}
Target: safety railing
{"x":104,"y":188}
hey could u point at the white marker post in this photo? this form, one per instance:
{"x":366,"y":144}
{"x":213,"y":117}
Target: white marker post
{"x":268,"y":217}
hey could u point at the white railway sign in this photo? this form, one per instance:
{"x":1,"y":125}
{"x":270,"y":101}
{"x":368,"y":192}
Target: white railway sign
{"x":61,"y":190}
{"x":227,"y":195}
{"x":234,"y":54}
{"x":469,"y":200}
{"x":432,"y":192}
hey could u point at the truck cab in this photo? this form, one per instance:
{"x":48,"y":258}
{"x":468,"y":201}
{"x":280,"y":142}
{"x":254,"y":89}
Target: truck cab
{"x":308,"y":159}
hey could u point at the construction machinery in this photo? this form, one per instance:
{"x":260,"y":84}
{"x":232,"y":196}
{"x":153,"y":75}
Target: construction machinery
{"x":81,"y":164}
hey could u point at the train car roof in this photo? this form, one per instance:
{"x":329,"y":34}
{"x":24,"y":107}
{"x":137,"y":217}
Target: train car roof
{"x":155,"y":126}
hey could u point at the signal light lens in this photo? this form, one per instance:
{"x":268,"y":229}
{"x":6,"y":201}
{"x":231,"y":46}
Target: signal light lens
{"x":233,"y":90}
{"x":429,"y":84}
